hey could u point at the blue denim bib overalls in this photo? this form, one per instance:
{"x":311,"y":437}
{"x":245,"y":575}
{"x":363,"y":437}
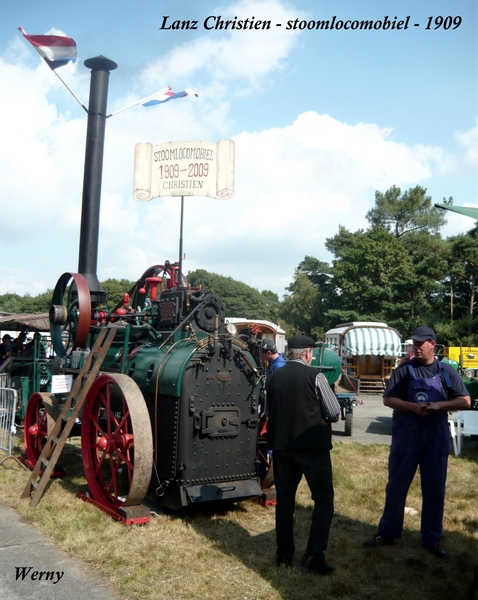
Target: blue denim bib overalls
{"x":418,"y":441}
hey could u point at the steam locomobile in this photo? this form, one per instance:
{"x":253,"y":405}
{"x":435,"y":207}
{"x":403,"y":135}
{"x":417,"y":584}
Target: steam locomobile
{"x":174,"y":412}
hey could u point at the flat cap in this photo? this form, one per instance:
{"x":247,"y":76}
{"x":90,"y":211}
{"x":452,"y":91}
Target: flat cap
{"x":300,"y":341}
{"x":268,"y":345}
{"x":422,"y":334}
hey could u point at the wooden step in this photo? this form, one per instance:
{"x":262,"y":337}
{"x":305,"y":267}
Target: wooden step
{"x":372,"y":385}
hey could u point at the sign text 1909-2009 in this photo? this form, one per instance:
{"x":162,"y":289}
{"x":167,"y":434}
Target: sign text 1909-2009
{"x":172,"y":171}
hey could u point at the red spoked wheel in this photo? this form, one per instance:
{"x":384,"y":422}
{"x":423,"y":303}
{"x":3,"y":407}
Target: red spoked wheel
{"x":117,"y":442}
{"x":35,"y":427}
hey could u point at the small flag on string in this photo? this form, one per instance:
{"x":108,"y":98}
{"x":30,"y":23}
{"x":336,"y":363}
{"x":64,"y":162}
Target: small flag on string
{"x":56,"y":50}
{"x":162,"y":97}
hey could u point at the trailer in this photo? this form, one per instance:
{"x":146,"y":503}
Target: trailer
{"x":369,"y":351}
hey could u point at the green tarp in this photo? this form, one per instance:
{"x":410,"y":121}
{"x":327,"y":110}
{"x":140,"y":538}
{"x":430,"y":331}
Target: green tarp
{"x":462,"y":210}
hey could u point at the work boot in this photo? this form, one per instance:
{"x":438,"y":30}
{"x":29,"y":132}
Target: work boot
{"x":438,"y":551}
{"x":317,"y":564}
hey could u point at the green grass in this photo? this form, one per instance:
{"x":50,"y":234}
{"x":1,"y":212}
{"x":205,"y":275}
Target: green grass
{"x":205,"y":554}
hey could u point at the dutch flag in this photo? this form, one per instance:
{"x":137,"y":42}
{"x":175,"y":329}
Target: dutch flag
{"x":166,"y":96}
{"x":56,"y":50}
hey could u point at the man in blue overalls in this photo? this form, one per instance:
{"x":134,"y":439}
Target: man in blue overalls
{"x":421,"y":391}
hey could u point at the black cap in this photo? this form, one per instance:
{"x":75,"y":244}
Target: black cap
{"x":422,"y":334}
{"x":300,"y":341}
{"x":6,"y":336}
{"x":268,"y":346}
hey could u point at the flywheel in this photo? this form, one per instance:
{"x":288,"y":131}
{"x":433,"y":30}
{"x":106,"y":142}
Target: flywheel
{"x":70,"y":313}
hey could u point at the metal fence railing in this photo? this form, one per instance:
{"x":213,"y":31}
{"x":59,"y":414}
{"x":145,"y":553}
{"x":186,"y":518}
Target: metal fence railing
{"x":8,"y":403}
{"x":5,"y":380}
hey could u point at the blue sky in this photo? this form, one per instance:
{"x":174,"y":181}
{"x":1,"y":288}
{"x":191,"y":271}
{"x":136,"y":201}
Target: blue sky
{"x":321,"y":120}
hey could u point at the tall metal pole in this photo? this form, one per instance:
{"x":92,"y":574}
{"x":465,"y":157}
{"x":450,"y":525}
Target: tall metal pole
{"x":95,"y":141}
{"x":180,"y":274}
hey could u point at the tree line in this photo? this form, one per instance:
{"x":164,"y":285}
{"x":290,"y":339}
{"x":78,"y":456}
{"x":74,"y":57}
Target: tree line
{"x":398,"y":270}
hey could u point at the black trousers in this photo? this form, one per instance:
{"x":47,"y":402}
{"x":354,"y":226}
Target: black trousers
{"x":288,"y":470}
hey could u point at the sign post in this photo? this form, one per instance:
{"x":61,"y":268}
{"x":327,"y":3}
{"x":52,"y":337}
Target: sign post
{"x":181,"y":242}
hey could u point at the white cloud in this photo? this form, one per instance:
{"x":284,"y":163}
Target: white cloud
{"x":248,"y":55}
{"x":469,"y":141}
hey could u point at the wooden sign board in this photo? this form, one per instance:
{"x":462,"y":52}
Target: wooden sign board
{"x":184,"y":169}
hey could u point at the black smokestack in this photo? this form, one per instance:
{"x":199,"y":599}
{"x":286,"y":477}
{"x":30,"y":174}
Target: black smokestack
{"x":95,"y":141}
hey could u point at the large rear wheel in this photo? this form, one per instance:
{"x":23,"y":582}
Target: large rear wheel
{"x":117,"y":442}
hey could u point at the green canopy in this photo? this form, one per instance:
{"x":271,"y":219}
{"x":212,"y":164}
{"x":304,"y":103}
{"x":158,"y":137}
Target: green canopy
{"x":463,"y":210}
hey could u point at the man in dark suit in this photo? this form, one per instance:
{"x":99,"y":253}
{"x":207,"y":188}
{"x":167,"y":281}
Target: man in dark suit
{"x":301,"y":406}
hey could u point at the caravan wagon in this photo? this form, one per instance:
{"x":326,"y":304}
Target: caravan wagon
{"x":369,"y":351}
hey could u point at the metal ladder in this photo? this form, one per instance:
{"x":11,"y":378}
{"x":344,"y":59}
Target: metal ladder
{"x":64,"y":424}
